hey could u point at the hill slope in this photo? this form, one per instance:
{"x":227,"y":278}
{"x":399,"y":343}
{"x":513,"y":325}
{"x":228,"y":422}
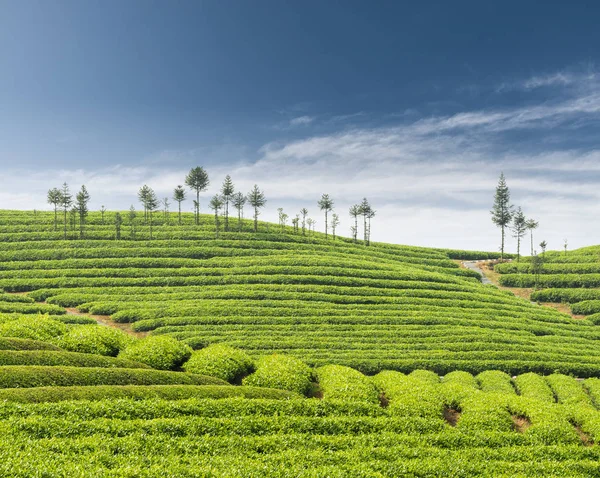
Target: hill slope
{"x":372,"y":308}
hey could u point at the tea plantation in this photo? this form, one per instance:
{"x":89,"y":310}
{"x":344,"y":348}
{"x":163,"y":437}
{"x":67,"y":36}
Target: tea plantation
{"x":563,"y":277}
{"x":279,"y":354}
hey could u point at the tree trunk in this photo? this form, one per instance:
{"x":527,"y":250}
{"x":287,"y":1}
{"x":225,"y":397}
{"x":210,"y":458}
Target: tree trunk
{"x":197,"y":207}
{"x":255,"y":219}
{"x":56,"y":217}
{"x":227,"y":215}
{"x":325,"y":223}
{"x":65,"y":230}
{"x":502,"y":246}
{"x":532,"y":243}
{"x":180,"y":213}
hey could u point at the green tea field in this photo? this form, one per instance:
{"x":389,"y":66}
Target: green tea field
{"x":279,"y":354}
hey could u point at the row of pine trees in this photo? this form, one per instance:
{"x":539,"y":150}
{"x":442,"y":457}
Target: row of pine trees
{"x":505,"y":216}
{"x":75,"y":209}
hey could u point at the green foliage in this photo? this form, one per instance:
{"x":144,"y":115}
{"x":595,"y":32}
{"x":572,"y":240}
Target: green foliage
{"x":282,"y":372}
{"x":495,"y":381}
{"x":343,"y":383}
{"x":139,"y":392}
{"x":11,"y":343}
{"x":63,"y":376}
{"x":533,"y":386}
{"x":58,"y":358}
{"x":160,"y":352}
{"x":33,"y":327}
{"x":220,"y":361}
{"x":95,"y":339}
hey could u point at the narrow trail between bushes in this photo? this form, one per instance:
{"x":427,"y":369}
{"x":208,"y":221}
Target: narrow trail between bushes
{"x":103,"y":320}
{"x":106,"y":321}
{"x":474,"y":266}
{"x":492,"y":277}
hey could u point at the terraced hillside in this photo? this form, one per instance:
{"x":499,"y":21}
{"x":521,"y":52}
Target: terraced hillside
{"x":572,"y":278}
{"x":372,"y":308}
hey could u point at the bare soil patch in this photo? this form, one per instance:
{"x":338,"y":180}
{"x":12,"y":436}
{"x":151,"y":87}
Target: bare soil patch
{"x":106,"y":321}
{"x":451,"y":416}
{"x":586,"y":440}
{"x":521,"y":424}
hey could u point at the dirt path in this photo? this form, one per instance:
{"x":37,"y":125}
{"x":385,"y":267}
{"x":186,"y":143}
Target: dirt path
{"x":489,"y":276}
{"x":475,"y":266}
{"x":106,"y":321}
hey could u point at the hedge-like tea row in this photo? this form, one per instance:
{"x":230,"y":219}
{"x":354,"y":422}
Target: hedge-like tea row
{"x":59,"y":376}
{"x":139,"y":392}
{"x":11,"y":343}
{"x":62,"y":358}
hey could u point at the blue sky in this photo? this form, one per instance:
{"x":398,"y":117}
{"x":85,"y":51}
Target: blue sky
{"x":418,"y":106}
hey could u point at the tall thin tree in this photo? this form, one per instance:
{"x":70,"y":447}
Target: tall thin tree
{"x":82,"y":200}
{"x":256,"y":198}
{"x":519,"y":229}
{"x":325,"y":204}
{"x":370,"y":216}
{"x":143,"y":195}
{"x":354,"y":213}
{"x":502,"y":211}
{"x":131,"y":215}
{"x":165,"y":204}
{"x":216,"y":203}
{"x":239,"y":200}
{"x":227,"y":191}
{"x":118,"y":224}
{"x":179,"y":194}
{"x":151,"y":205}
{"x":197,"y":180}
{"x":66,"y":201}
{"x":531,"y":224}
{"x":335,"y":222}
{"x":304,"y":213}
{"x":54,"y":199}
{"x":365,"y":210}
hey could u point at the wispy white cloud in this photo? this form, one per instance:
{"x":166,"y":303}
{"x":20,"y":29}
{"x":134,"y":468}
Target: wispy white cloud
{"x":301,"y":120}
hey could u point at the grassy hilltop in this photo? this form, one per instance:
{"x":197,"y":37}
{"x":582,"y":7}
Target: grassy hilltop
{"x":323,"y":301}
{"x":278,"y":354}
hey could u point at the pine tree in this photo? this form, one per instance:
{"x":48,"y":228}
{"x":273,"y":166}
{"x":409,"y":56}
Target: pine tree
{"x":325,"y":204}
{"x":239,"y":200}
{"x":66,"y":201}
{"x":216,"y":203}
{"x":304,"y":213}
{"x":365,"y":210}
{"x":354,"y":213}
{"x":118,"y":223}
{"x":150,"y":206}
{"x":83,"y":197}
{"x":502,"y":211}
{"x":227,"y":191}
{"x":179,"y":194}
{"x":131,"y":216}
{"x":143,"y":195}
{"x":531,"y":225}
{"x":197,"y":179}
{"x":519,"y":229}
{"x":335,"y":222}
{"x":54,"y":199}
{"x":256,"y":198}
